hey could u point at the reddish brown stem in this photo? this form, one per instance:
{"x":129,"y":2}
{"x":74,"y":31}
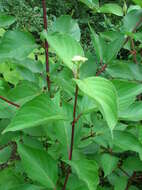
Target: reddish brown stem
{"x":130,"y":180}
{"x":9,"y":102}
{"x":101,"y":70}
{"x":133,"y":51}
{"x":72,"y":136}
{"x":73,"y":123}
{"x":46,"y":45}
{"x":134,"y":30}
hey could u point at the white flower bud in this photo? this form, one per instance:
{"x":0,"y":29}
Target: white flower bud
{"x":79,"y":58}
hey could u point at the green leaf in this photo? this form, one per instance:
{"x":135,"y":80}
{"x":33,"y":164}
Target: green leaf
{"x":39,"y":165}
{"x":100,"y":47}
{"x":125,"y":70}
{"x":132,"y":113}
{"x":87,"y":171}
{"x":111,"y":8}
{"x":16,"y":45}
{"x":6,"y":111}
{"x":132,"y":163}
{"x":114,"y":48}
{"x":66,"y":25}
{"x":74,"y":183}
{"x":108,"y":163}
{"x":27,"y":187}
{"x":138,"y":2}
{"x":126,"y":141}
{"x":65,"y":47}
{"x":9,"y":178}
{"x":104,"y":94}
{"x":131,"y":19}
{"x":23,"y":92}
{"x":120,"y":183}
{"x":6,"y":20}
{"x":92,"y":4}
{"x":89,"y":68}
{"x":38,"y":111}
{"x":5,"y":154}
{"x":127,"y":92}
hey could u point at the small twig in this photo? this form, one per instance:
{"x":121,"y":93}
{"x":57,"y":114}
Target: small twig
{"x":134,"y":30}
{"x":133,"y":51}
{"x":103,"y":68}
{"x":9,"y":102}
{"x":78,"y":117}
{"x":89,"y":136}
{"x":46,"y":45}
{"x":132,"y":178}
{"x":124,"y":172}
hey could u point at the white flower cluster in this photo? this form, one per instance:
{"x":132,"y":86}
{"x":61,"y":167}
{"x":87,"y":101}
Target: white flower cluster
{"x":79,"y":58}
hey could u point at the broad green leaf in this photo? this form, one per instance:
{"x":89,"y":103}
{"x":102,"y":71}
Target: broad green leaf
{"x":39,"y":110}
{"x":125,"y":70}
{"x":138,"y":2}
{"x":111,"y":8}
{"x":126,"y":141}
{"x":16,"y":45}
{"x":131,"y":19}
{"x":119,"y":70}
{"x":27,"y":187}
{"x":110,"y":35}
{"x":132,"y":113}
{"x":90,"y":67}
{"x":133,"y":188}
{"x":5,"y":154}
{"x":100,"y":47}
{"x":61,"y":132}
{"x":87,"y":171}
{"x":92,"y":4}
{"x":120,"y":183}
{"x":105,"y":96}
{"x":23,"y":92}
{"x":6,"y":20}
{"x":2,"y":31}
{"x":127,"y":92}
{"x":65,"y":47}
{"x":9,"y":179}
{"x":6,"y":111}
{"x":39,"y":165}
{"x":108,"y":163}
{"x":114,"y":48}
{"x":74,"y":183}
{"x":132,"y":163}
{"x":138,"y":36}
{"x":12,"y":77}
{"x":32,"y":65}
{"x":66,"y":25}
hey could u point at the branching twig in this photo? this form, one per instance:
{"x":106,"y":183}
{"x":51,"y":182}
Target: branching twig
{"x":46,"y":45}
{"x":101,"y":70}
{"x":89,"y":136}
{"x":126,"y":40}
{"x":9,"y":102}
